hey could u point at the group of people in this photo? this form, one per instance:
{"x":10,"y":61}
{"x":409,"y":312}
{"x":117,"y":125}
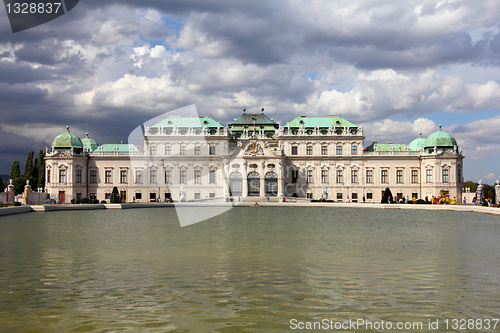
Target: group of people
{"x":489,"y":201}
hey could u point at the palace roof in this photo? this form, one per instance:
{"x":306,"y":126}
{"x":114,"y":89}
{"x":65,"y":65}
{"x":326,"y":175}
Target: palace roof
{"x":322,"y":122}
{"x":176,"y":121}
{"x":67,"y":140}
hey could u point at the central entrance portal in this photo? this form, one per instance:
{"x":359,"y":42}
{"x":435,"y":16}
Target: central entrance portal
{"x":253,"y":184}
{"x":235,"y":184}
{"x":271,"y":184}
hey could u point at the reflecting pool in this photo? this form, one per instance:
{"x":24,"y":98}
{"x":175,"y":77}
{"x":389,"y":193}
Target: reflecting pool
{"x":247,"y":270}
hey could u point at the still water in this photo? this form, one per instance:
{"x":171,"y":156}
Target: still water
{"x":247,"y":270}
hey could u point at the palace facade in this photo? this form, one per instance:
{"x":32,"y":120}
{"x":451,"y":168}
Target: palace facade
{"x":198,"y":158}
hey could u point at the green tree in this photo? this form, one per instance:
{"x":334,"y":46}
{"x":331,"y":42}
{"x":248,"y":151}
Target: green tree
{"x":2,"y":185}
{"x":28,"y":165}
{"x":19,"y":183}
{"x":115,"y":198}
{"x":15,"y":171}
{"x":472,"y":185}
{"x":41,"y":169}
{"x":17,"y":179}
{"x":489,"y":192}
{"x":387,"y":194}
{"x":34,"y":174}
{"x":29,"y":171}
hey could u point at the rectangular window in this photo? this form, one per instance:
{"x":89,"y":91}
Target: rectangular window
{"x":197,"y":176}
{"x":107,"y":177}
{"x":459,"y":176}
{"x":211,"y":174}
{"x":197,"y":150}
{"x":138,"y":195}
{"x":414,"y":195}
{"x":93,"y":176}
{"x":152,"y":150}
{"x":445,"y":176}
{"x":414,"y":176}
{"x":168,"y":177}
{"x":309,"y":178}
{"x":294,"y":150}
{"x":78,"y":176}
{"x":62,"y":176}
{"x":182,"y":150}
{"x":211,"y":150}
{"x":339,"y":150}
{"x":168,"y":150}
{"x":324,"y":176}
{"x":428,"y":177}
{"x":369,"y":195}
{"x":339,"y":196}
{"x":48,"y":176}
{"x":107,"y":196}
{"x":354,"y":196}
{"x":354,"y":176}
{"x":152,"y":176}
{"x":211,"y":195}
{"x":383,"y":176}
{"x":354,"y":150}
{"x":324,"y":150}
{"x":182,"y":176}
{"x":123,"y":176}
{"x":197,"y":195}
{"x":309,"y":150}
{"x":369,"y":176}
{"x":295,"y":175}
{"x":138,"y":176}
{"x":339,"y":177}
{"x":399,"y":176}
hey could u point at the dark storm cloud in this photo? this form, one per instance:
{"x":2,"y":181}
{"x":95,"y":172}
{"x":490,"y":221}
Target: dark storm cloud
{"x":13,"y":73}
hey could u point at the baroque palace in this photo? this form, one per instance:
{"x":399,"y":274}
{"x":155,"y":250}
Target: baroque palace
{"x":197,"y":158}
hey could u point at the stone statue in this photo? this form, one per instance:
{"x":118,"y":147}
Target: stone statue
{"x":324,"y":194}
{"x":182,"y":194}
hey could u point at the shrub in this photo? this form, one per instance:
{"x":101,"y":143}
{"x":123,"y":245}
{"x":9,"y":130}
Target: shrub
{"x":17,"y":203}
{"x":104,"y":201}
{"x":485,"y":204}
{"x":420,"y":202}
{"x":387,"y":194}
{"x":402,"y":201}
{"x":115,"y":198}
{"x":85,"y":200}
{"x":73,"y":201}
{"x":94,"y":201}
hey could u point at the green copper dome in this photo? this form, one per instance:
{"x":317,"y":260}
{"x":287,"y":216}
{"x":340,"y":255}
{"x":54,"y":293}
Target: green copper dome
{"x":89,"y":144}
{"x":440,"y":139}
{"x":418,"y":143}
{"x":67,"y":140}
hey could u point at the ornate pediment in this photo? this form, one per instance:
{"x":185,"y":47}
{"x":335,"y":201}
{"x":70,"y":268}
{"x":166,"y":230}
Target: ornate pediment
{"x":447,"y":154}
{"x":62,"y":154}
{"x":254,"y":148}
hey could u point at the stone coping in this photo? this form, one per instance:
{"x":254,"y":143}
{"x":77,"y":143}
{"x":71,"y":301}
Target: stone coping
{"x":51,"y":208}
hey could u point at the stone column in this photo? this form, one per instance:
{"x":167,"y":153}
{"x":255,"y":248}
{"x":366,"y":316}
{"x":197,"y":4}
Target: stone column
{"x":244,"y":181}
{"x":262,"y":184}
{"x":27,"y":191}
{"x":497,"y":192}
{"x":479,"y":193}
{"x":10,"y":194}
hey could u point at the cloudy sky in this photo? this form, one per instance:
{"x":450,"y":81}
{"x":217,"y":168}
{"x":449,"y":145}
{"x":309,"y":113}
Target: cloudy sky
{"x":396,"y":67}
